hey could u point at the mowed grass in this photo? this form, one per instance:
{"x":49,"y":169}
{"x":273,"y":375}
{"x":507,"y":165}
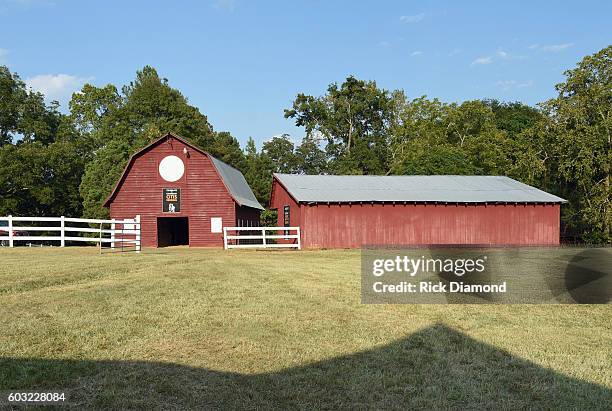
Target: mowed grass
{"x":197,"y":328}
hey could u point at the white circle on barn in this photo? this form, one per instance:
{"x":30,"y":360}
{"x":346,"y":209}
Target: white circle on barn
{"x":171,"y":168}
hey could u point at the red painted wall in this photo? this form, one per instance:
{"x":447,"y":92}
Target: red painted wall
{"x":203,"y":195}
{"x":279,"y":198}
{"x":351,"y":226}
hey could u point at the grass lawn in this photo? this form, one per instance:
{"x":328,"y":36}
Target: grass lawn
{"x":178,"y":328}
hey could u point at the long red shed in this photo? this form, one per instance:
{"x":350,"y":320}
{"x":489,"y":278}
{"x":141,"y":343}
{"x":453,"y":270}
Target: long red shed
{"x":352,"y":211}
{"x":184,"y":196}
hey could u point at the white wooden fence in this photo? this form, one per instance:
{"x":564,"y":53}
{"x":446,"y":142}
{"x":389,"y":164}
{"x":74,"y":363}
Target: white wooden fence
{"x":120,"y":233}
{"x":233,"y":237}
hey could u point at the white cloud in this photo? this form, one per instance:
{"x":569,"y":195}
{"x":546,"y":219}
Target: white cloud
{"x":504,"y":55}
{"x":553,"y":48}
{"x":384,"y":44}
{"x":228,"y":5}
{"x":454,"y":52}
{"x":413,"y":19}
{"x":416,"y":53}
{"x":499,"y":55}
{"x":57,"y":86}
{"x":3,"y":54}
{"x":557,"y":47}
{"x":482,"y":60}
{"x":510,"y":84}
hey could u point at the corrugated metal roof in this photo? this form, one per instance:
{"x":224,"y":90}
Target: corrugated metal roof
{"x":452,"y":189}
{"x":236,"y":184}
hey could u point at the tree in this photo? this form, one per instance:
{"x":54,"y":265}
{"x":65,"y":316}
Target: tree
{"x":280,"y":151}
{"x":513,"y":117}
{"x":258,"y":172}
{"x":423,"y":159}
{"x":41,"y":162}
{"x":24,"y":117}
{"x":471,"y":127}
{"x":419,"y":124}
{"x":40,"y":180}
{"x":310,"y":159}
{"x":580,"y":123}
{"x":354,"y":118}
{"x":118,"y":124}
{"x":227,"y":149}
{"x":100,"y":176}
{"x":431,"y":137}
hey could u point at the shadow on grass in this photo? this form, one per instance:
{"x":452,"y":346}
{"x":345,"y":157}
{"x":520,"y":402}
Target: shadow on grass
{"x":435,"y":368}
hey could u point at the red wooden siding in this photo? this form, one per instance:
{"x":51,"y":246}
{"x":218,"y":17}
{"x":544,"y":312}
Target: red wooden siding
{"x":354,"y":225}
{"x":336,"y":226}
{"x":203,"y":194}
{"x":279,"y":198}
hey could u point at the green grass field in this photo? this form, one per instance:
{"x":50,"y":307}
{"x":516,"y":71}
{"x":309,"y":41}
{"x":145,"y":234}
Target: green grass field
{"x":177,"y":328}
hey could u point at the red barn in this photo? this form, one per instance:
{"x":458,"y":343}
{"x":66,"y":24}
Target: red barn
{"x":184,"y":196}
{"x":351,"y":211}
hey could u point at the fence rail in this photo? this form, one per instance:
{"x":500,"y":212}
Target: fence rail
{"x":120,"y":232}
{"x":237,"y":239}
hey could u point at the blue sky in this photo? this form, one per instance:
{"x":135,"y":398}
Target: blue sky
{"x":242,"y":62}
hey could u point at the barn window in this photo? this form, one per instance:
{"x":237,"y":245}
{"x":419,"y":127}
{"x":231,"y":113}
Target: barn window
{"x":287,"y":218}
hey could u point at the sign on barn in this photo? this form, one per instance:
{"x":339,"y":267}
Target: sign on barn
{"x":171,"y":200}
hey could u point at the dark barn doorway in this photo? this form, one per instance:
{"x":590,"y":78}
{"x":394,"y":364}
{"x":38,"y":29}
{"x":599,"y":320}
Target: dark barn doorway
{"x":172,"y":231}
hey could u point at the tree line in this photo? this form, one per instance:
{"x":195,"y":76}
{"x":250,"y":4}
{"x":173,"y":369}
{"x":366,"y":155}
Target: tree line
{"x":53,"y":163}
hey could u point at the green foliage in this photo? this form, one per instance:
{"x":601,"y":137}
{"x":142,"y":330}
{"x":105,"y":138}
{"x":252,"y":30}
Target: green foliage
{"x":280,"y":150}
{"x":258,"y":171}
{"x":39,"y":180}
{"x":269,"y":218}
{"x":226,"y":148}
{"x":100,"y":177}
{"x":442,"y":159}
{"x":309,"y":157}
{"x":578,"y":129}
{"x":354,"y":119}
{"x":431,"y":137}
{"x":41,"y":158}
{"x":514,"y":117}
{"x":23,"y":113}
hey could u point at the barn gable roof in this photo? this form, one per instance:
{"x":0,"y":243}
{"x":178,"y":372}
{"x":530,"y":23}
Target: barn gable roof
{"x":236,"y":184}
{"x":234,"y":181}
{"x":438,"y":189}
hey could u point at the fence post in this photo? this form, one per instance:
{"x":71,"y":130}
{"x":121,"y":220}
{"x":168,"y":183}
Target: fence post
{"x":263,"y":234}
{"x":225,"y":238}
{"x":62,"y":231}
{"x":112,"y":236}
{"x":137,"y":227}
{"x":10,"y":230}
{"x":299,"y":242}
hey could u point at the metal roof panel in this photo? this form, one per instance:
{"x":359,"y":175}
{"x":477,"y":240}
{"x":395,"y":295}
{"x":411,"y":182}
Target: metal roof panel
{"x":236,"y":184}
{"x":440,"y":188}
